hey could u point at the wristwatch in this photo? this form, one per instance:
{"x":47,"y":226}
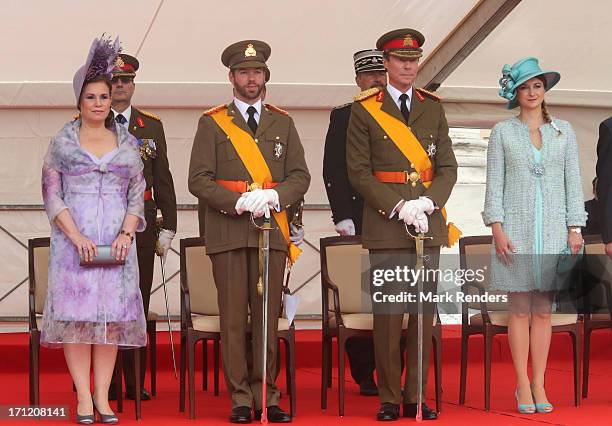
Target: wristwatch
{"x":576,"y":229}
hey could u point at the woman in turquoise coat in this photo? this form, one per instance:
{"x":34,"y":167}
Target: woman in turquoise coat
{"x":535,"y":208}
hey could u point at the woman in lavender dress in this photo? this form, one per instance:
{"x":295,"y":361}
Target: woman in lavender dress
{"x":93,"y":190}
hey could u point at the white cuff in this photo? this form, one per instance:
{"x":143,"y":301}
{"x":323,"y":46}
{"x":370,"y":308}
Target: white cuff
{"x":395,"y":209}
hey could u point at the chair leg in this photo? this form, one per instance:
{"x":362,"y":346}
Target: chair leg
{"x":324,"y":376}
{"x":291,"y":367}
{"x":204,"y":364}
{"x":34,"y":368}
{"x":137,"y":389}
{"x":153,"y":356}
{"x":586,"y":357}
{"x":183,"y":362}
{"x":577,"y":344}
{"x":216,"y":370}
{"x":191,"y":375}
{"x":119,"y":381}
{"x":341,"y":347}
{"x":463,"y":370}
{"x":437,"y":347}
{"x":488,"y":342}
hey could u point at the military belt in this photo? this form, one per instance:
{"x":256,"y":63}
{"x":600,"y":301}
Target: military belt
{"x":405,"y":177}
{"x":242,"y":186}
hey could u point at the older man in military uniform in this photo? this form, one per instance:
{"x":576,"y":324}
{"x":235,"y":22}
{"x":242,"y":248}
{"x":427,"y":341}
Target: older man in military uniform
{"x":247,"y":161}
{"x":159,"y":194}
{"x":346,"y":203}
{"x":400,"y":159}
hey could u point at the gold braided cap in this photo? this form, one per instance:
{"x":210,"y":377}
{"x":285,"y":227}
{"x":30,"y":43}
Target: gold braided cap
{"x":148,"y":114}
{"x":367,"y":94}
{"x":276,"y":109}
{"x":429,"y":94}
{"x":212,"y":110}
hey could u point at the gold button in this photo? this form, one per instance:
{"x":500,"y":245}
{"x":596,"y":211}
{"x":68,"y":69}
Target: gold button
{"x":384,"y":214}
{"x":412,"y":165}
{"x":227,"y":137}
{"x":277,"y":138}
{"x":256,"y":141}
{"x":413,"y":184}
{"x":385,"y":137}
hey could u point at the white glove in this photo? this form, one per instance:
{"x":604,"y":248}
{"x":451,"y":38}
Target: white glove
{"x":421,"y":223}
{"x":412,"y":208}
{"x":345,"y":227}
{"x":165,"y":242}
{"x":240,"y":204}
{"x":257,"y":199}
{"x":297,"y":234}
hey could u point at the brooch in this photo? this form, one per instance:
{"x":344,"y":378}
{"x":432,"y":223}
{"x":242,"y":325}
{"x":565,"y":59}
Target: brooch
{"x":278,"y":150}
{"x":148,"y":150}
{"x":538,"y":170}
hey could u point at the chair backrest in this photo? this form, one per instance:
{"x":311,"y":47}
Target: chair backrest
{"x":343,"y":261}
{"x":474,"y":254}
{"x":597,"y":269}
{"x":197,"y":277}
{"x":38,"y":271}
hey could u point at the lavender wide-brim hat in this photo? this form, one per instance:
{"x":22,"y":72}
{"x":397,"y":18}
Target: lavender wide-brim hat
{"x":100,"y":61}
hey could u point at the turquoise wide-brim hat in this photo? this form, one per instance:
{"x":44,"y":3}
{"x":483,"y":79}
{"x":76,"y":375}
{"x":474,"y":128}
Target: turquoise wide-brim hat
{"x":515,"y":75}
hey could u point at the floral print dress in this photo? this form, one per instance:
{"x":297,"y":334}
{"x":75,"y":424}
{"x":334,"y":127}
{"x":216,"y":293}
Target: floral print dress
{"x":94,"y":305}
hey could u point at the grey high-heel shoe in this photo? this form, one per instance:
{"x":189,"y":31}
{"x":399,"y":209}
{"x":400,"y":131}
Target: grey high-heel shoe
{"x":108,"y":419}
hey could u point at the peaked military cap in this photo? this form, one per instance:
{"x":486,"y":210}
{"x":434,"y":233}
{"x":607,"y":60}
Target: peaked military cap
{"x":404,"y":42}
{"x":125,"y":65}
{"x":368,"y":60}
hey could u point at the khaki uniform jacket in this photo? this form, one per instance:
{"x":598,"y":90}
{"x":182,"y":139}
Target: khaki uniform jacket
{"x":214,"y":157}
{"x":370,"y":149}
{"x":157,"y":176}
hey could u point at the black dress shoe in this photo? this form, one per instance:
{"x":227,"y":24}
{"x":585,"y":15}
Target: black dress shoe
{"x":388,"y":412}
{"x":275,"y":415}
{"x":368,"y":387}
{"x":410,"y":410}
{"x":240,"y":414}
{"x":144,"y":395}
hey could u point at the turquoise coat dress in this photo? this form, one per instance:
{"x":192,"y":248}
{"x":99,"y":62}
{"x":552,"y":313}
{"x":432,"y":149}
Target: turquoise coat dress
{"x":536,"y":196}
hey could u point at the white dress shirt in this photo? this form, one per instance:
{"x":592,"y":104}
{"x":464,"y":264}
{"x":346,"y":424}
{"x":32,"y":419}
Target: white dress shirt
{"x":243,"y":106}
{"x":395,"y":94}
{"x":127,"y":114}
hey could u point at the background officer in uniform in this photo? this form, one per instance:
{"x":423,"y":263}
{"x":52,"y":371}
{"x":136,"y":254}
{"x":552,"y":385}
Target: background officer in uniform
{"x":377,"y":170}
{"x":217,"y":176}
{"x":159,"y":194}
{"x":346,"y":203}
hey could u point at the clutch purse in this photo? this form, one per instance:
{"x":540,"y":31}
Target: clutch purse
{"x":567,"y":261}
{"x":104,"y":258}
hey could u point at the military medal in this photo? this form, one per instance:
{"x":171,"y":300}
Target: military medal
{"x":431,"y":150}
{"x":278,"y":150}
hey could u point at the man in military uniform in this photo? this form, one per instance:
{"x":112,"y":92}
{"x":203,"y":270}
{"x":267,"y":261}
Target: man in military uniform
{"x":247,"y":161}
{"x":159,"y":194}
{"x":346,"y":203}
{"x":400,"y":159}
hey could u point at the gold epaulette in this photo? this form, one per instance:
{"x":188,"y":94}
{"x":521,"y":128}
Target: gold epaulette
{"x":214,"y":109}
{"x":76,"y":116}
{"x":367,"y":94}
{"x":429,"y":94}
{"x":276,"y":109}
{"x":148,"y":114}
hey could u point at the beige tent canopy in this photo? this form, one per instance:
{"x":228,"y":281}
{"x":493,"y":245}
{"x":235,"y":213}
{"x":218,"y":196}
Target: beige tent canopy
{"x":179,"y":43}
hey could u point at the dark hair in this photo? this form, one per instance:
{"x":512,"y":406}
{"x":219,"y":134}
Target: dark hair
{"x":108,"y":122}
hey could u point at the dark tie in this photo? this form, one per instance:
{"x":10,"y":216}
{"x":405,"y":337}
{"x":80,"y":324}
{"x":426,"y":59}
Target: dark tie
{"x":404,"y":107}
{"x":120,"y":119}
{"x":251,"y":121}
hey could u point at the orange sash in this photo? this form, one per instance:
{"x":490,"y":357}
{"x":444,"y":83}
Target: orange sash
{"x":409,"y":145}
{"x":256,"y":165}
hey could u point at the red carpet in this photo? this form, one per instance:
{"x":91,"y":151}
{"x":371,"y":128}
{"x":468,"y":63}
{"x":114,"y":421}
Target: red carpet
{"x":211,"y":410}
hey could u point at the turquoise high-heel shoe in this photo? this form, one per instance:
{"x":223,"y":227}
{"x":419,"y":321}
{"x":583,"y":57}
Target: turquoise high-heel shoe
{"x":544,"y":407}
{"x":524,"y":408}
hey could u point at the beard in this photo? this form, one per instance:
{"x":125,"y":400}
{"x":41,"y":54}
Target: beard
{"x":246,"y":94}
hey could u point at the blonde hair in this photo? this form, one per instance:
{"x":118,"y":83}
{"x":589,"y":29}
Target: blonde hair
{"x":545,"y":114}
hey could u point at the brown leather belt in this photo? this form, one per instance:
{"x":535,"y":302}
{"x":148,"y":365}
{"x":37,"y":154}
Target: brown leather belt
{"x":148,"y":194}
{"x":241,"y":186}
{"x":405,"y":177}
